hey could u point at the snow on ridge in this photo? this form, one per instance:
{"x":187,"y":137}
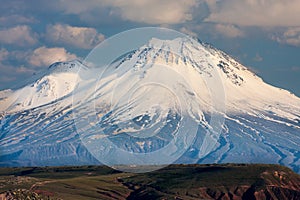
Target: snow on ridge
{"x":244,"y":90}
{"x":59,"y":81}
{"x":260,"y":119}
{"x":63,"y":67}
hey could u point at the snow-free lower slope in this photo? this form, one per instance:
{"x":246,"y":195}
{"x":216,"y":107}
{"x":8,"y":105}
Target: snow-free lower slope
{"x":262,"y":122}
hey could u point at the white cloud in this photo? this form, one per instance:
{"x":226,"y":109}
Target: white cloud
{"x":145,"y":11}
{"x":81,"y":37}
{"x":19,"y":35}
{"x":291,"y":37}
{"x":46,"y":56}
{"x":3,"y":54}
{"x":188,"y":32}
{"x":255,"y":12}
{"x":229,"y":30}
{"x":10,"y":73}
{"x":213,"y":31}
{"x":155,"y":11}
{"x":16,"y":19}
{"x":24,"y":70}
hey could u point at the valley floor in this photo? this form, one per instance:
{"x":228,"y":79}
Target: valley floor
{"x":226,"y":181}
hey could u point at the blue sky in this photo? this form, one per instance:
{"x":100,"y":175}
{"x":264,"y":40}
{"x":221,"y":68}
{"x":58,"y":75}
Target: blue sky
{"x":264,"y":35}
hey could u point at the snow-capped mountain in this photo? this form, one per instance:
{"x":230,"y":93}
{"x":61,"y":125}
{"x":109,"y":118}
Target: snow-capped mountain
{"x":165,"y":89}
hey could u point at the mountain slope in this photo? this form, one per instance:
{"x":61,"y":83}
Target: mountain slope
{"x":166,"y":89}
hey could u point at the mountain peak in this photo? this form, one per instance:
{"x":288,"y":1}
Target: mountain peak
{"x":68,"y":66}
{"x":51,"y":85}
{"x":160,"y":86}
{"x":187,"y":52}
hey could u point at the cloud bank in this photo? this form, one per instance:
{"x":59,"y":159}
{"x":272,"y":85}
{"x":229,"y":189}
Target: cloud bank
{"x":44,"y":56}
{"x":268,"y":13}
{"x":291,"y":37}
{"x":229,"y":31}
{"x":143,"y":11}
{"x":80,"y":37}
{"x":21,"y":35}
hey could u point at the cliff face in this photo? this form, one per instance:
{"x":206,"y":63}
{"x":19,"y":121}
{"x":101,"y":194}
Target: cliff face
{"x":186,"y":182}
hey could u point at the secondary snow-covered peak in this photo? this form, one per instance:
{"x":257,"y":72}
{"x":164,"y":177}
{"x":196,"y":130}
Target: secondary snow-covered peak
{"x":57,"y":82}
{"x":64,"y":67}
